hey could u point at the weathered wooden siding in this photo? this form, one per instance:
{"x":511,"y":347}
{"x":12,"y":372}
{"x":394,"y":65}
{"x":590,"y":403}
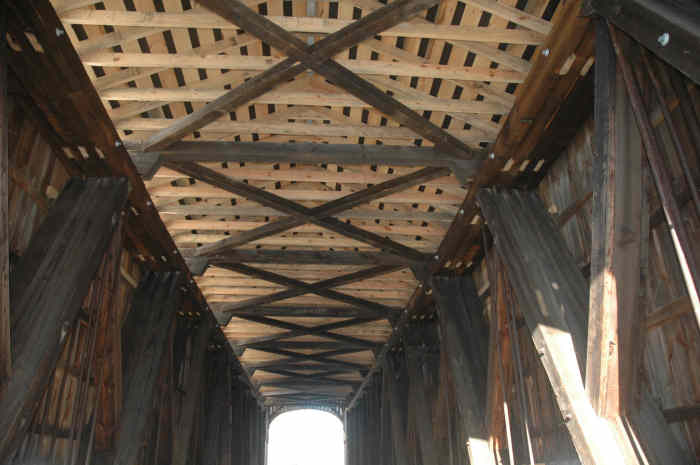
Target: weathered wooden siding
{"x":672,"y":345}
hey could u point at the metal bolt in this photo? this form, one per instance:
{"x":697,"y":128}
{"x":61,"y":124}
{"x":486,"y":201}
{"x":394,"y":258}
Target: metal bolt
{"x":437,"y":257}
{"x":664,"y":39}
{"x":149,"y":203}
{"x":59,"y":32}
{"x":461,"y":211}
{"x":567,"y":418}
{"x":545,"y":52}
{"x":117,"y":143}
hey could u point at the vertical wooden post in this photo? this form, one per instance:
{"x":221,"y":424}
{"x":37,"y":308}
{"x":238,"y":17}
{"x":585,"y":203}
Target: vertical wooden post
{"x":184,"y":424}
{"x":422,"y":358}
{"x":616,"y":226}
{"x":396,"y":374}
{"x":48,"y":286}
{"x":216,"y":442}
{"x":5,"y":346}
{"x":146,"y":332}
{"x":464,"y":335}
{"x":553,"y":297}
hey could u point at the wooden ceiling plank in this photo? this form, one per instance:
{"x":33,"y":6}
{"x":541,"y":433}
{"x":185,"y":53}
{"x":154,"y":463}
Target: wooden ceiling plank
{"x":309,"y":257}
{"x":316,"y":26}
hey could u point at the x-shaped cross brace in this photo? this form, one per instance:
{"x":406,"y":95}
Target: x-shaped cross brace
{"x":318,"y":58}
{"x":320,"y":288}
{"x":301,"y":214}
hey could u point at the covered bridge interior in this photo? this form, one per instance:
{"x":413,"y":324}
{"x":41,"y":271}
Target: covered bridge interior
{"x":468,"y":228}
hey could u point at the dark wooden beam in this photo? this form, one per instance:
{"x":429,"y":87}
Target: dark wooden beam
{"x":184,"y":425}
{"x":310,"y":257}
{"x":300,"y":288}
{"x":5,"y":338}
{"x":305,"y":311}
{"x":422,"y":362}
{"x":269,"y":152}
{"x":217,"y":438}
{"x":293,"y":364}
{"x":47,"y":288}
{"x":616,"y":228}
{"x":294,"y":209}
{"x":240,"y":14}
{"x":464,"y":335}
{"x":669,"y":29}
{"x":147,"y":327}
{"x":293,"y":382}
{"x":329,"y":209}
{"x":397,"y":376}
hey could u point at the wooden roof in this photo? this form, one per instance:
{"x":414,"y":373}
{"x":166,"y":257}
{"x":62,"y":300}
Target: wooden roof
{"x":251,"y":158}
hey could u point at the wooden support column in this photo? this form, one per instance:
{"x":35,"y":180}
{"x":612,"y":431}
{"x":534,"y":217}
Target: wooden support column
{"x":5,"y":346}
{"x":397,"y":376}
{"x":146,"y":332}
{"x":616,"y":226}
{"x":464,"y":335}
{"x":216,"y":449}
{"x":48,"y":286}
{"x":553,"y":296}
{"x":385,"y":451}
{"x":184,"y":424}
{"x":422,"y":360}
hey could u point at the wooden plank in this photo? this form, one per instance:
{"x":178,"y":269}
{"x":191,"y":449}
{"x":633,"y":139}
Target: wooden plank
{"x":47,"y":289}
{"x":463,"y":333}
{"x":332,"y":208}
{"x":679,"y":234}
{"x":552,"y":295}
{"x":616,"y":225}
{"x":669,"y":312}
{"x":194,"y":383}
{"x":217,"y":435}
{"x":422,"y":362}
{"x":305,"y":311}
{"x":5,"y":338}
{"x":309,"y":257}
{"x":269,"y":199}
{"x":255,"y":63}
{"x":310,"y":25}
{"x":679,"y":414}
{"x":648,"y":20}
{"x":286,"y":70}
{"x":314,"y":357}
{"x":148,"y":326}
{"x":340,"y":154}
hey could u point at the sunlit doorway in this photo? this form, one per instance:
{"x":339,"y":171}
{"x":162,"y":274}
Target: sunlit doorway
{"x":306,"y":437}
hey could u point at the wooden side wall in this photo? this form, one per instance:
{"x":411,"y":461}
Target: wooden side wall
{"x":80,"y":411}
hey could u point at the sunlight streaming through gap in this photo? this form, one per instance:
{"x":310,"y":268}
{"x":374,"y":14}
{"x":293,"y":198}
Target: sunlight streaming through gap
{"x":306,"y":437}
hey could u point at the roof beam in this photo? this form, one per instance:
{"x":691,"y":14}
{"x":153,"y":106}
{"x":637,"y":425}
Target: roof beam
{"x":305,"y":311}
{"x":294,"y":209}
{"x":306,"y":257}
{"x":358,"y":31}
